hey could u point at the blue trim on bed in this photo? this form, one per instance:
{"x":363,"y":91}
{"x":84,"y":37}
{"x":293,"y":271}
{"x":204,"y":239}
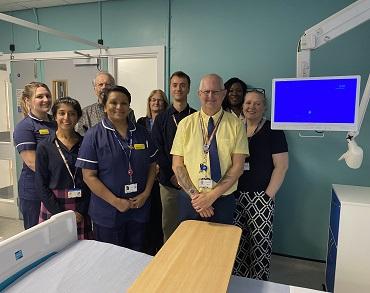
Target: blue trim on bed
{"x":21,"y":272}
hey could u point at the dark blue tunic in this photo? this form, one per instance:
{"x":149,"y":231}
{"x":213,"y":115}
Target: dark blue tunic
{"x":27,"y":135}
{"x":101,"y":150}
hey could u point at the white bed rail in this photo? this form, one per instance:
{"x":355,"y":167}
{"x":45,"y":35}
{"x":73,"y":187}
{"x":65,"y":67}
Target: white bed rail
{"x":25,"y":250}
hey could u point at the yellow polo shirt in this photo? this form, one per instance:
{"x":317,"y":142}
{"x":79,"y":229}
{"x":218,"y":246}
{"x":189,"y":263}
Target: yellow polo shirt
{"x":188,"y":143}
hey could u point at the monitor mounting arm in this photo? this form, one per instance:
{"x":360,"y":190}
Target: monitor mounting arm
{"x":327,"y":30}
{"x":320,"y":34}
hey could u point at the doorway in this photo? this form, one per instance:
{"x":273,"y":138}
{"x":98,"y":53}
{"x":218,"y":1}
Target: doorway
{"x":77,"y":76}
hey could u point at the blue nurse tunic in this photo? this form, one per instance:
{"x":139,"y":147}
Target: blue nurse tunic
{"x":104,"y":150}
{"x":27,"y":135}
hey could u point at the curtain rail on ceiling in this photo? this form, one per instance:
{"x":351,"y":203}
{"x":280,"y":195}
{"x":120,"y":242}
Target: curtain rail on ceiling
{"x":48,"y":30}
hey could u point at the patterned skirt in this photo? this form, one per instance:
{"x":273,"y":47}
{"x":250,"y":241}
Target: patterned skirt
{"x":84,"y":228}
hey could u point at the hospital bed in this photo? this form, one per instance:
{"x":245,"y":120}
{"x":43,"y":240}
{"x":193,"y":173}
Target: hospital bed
{"x":49,"y":258}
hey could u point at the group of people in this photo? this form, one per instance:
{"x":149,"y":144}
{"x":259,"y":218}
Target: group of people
{"x":132,"y":183}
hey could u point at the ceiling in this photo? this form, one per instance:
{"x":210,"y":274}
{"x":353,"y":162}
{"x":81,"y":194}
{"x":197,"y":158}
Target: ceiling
{"x":11,"y":5}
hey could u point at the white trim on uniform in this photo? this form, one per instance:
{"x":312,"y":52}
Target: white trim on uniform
{"x":112,"y":129}
{"x":34,"y":118}
{"x":27,"y":142}
{"x":89,"y":161}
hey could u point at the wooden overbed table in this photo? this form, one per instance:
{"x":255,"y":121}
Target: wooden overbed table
{"x":198,"y":257}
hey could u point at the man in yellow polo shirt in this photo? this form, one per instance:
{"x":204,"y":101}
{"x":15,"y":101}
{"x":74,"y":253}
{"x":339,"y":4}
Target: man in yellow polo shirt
{"x":209,"y":151}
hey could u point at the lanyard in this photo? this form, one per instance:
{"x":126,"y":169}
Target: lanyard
{"x":207,"y":139}
{"x":174,"y":119}
{"x":66,"y":164}
{"x":130,"y":171}
{"x":150,"y":123}
{"x":259,"y":126}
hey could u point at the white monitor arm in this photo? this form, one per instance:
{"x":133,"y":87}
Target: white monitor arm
{"x":323,"y":32}
{"x":354,"y":155}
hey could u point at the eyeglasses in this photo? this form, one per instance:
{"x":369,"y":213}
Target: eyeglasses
{"x":211,"y":92}
{"x":156,"y":100}
{"x":256,"y":90}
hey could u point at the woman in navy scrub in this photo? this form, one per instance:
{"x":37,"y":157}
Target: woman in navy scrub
{"x":156,"y":104}
{"x":35,"y":127}
{"x":117,"y":159}
{"x":58,"y":181}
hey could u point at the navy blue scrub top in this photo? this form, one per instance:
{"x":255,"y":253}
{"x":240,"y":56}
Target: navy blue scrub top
{"x":101,"y":151}
{"x":52,"y":173}
{"x":27,"y":135}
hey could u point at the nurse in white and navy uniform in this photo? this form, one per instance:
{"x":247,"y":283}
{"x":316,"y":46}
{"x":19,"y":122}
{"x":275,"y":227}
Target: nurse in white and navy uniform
{"x":35,"y":127}
{"x":117,"y":159}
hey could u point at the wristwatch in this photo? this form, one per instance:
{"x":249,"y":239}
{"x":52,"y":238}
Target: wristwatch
{"x":191,"y":191}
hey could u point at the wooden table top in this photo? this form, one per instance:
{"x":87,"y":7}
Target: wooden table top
{"x":198,"y":257}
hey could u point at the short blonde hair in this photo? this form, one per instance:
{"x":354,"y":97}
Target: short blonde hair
{"x":152,"y":93}
{"x":29,"y":92}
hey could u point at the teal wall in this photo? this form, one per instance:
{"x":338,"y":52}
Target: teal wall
{"x":256,"y":41}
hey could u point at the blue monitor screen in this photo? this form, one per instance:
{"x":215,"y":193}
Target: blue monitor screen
{"x":316,"y":102}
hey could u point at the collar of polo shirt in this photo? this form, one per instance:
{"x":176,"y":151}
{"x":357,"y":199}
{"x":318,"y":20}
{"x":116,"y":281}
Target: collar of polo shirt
{"x":215,"y":117}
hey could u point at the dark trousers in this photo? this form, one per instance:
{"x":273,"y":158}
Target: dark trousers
{"x":30,"y":210}
{"x":154,"y":232}
{"x":224,"y":208}
{"x":130,"y":235}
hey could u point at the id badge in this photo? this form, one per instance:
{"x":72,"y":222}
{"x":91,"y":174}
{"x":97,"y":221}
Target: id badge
{"x":139,"y":146}
{"x":73,"y":193}
{"x":246,"y":166}
{"x":205,"y":183}
{"x":130,"y":188}
{"x":44,"y":131}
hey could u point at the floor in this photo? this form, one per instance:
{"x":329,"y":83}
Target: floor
{"x":9,"y":227}
{"x":297,"y":272}
{"x":284,"y":270}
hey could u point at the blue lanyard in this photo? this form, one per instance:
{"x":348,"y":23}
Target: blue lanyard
{"x":130,"y":172}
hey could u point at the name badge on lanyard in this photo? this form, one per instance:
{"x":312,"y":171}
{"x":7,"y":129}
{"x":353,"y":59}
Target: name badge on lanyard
{"x":73,"y":193}
{"x":130,"y":188}
{"x":205,"y":183}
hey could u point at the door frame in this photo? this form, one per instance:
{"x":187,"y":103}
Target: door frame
{"x":9,"y":208}
{"x":157,"y":52}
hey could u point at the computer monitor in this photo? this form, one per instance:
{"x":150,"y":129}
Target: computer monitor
{"x":327,"y":103}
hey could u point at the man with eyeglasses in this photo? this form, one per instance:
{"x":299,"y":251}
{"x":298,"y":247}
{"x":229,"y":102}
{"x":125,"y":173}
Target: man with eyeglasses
{"x":163,"y":133}
{"x":209,"y":151}
{"x":93,"y":114}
